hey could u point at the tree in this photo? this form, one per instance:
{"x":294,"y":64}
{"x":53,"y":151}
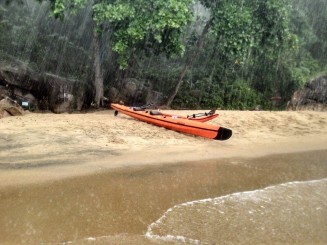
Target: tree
{"x":233,"y":49}
{"x":249,"y":35}
{"x":189,"y":61}
{"x":231,"y":27}
{"x":272,"y":60}
{"x":157,"y":23}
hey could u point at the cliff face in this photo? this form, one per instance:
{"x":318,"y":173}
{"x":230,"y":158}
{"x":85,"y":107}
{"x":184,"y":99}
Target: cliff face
{"x":313,"y":96}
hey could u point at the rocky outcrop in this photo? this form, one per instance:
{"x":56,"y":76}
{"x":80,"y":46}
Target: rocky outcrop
{"x":43,"y":91}
{"x":46,"y":91}
{"x":313,"y":96}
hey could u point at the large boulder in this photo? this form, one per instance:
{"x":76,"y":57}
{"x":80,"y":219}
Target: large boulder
{"x":44,"y":91}
{"x":131,"y":91}
{"x":313,"y":96}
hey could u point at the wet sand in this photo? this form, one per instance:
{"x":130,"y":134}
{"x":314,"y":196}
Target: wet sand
{"x":96,"y":178}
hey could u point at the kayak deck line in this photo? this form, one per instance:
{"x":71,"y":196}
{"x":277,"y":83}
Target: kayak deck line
{"x":201,"y":117}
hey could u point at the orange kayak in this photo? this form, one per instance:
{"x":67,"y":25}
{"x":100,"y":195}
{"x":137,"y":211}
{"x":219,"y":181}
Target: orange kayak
{"x":184,"y":125}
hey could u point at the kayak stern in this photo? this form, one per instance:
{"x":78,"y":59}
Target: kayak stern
{"x":223,"y":134}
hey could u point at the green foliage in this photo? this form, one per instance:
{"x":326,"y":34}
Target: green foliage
{"x":159,"y":26}
{"x":305,"y":68}
{"x":60,"y":7}
{"x":251,"y":38}
{"x":272,"y":23}
{"x":223,"y":95}
{"x":157,"y":23}
{"x":232,"y":26}
{"x":240,"y":95}
{"x":114,"y":12}
{"x":254,"y":49}
{"x":43,"y":43}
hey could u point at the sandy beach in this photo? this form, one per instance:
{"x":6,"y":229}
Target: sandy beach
{"x":74,"y":144}
{"x":44,"y":154}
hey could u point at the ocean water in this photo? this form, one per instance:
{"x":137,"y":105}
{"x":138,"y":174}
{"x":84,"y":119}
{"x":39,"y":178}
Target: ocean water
{"x":289,"y":213}
{"x":276,"y":199}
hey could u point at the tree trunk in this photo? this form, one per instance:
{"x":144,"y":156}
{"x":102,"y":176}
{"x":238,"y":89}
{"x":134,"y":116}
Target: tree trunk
{"x":98,"y":75}
{"x":189,"y":62}
{"x":178,"y":85}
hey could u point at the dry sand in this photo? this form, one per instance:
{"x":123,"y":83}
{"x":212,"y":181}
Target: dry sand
{"x":42,"y":147}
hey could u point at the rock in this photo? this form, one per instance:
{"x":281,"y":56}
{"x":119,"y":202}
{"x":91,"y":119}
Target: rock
{"x":313,"y":96}
{"x":130,"y":91}
{"x":11,"y":107}
{"x":4,"y":113}
{"x":114,"y":94}
{"x":64,"y":95}
{"x":62,"y":107}
{"x":130,"y":88}
{"x":154,"y":97}
{"x":44,"y":91}
{"x":4,"y":92}
{"x":30,"y":98}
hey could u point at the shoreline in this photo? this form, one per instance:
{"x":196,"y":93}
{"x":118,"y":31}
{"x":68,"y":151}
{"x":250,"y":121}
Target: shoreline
{"x":15,"y":178}
{"x":76,"y":178}
{"x":118,"y":205}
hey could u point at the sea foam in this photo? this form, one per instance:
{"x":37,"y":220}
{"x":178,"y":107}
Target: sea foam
{"x":249,"y":206}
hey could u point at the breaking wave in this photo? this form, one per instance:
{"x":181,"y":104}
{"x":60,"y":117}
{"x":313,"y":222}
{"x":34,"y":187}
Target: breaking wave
{"x":292,"y":212}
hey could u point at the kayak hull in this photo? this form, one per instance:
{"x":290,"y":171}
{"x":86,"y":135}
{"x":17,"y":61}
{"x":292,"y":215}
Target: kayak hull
{"x":177,"y":124}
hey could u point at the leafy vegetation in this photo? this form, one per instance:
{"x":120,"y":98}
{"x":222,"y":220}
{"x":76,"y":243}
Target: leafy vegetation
{"x":233,"y":54}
